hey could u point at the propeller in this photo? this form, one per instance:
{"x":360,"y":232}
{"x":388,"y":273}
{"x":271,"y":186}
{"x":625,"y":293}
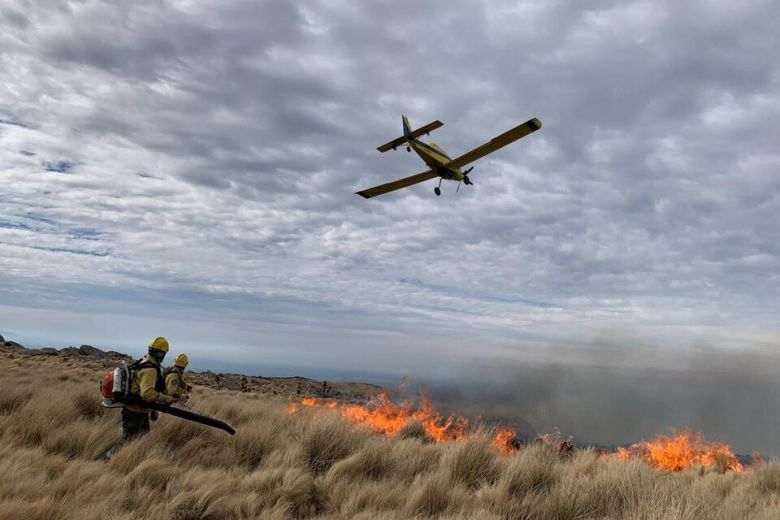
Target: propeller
{"x":466,"y":177}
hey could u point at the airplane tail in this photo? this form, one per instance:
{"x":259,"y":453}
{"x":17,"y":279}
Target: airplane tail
{"x":406,"y":125}
{"x":409,"y":134}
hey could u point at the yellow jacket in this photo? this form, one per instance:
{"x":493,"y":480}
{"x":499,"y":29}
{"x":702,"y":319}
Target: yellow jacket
{"x":144,"y":385}
{"x":175,"y":384}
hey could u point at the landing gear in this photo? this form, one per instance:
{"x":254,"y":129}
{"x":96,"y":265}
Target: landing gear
{"x":437,"y":191}
{"x":408,"y":148}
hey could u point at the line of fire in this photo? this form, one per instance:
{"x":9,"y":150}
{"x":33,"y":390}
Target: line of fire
{"x":674,"y":452}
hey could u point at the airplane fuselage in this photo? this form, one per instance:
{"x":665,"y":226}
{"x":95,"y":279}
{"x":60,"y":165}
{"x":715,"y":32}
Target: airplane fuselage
{"x":436,"y":159}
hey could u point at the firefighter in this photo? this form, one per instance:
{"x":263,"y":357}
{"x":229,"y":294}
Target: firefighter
{"x":218,"y":381}
{"x":175,"y":385}
{"x":146,"y":382}
{"x":299,"y":388}
{"x":244,"y":384}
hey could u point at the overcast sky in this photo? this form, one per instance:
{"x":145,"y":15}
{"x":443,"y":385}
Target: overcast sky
{"x":188,"y":169}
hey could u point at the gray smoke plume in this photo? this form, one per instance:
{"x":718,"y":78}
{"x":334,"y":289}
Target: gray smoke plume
{"x":620,"y":392}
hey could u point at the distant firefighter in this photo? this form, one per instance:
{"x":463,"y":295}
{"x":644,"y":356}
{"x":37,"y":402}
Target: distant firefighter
{"x":244,"y":384}
{"x":146,"y":382}
{"x":175,"y":385}
{"x":325,"y":388}
{"x":218,"y":381}
{"x":299,"y":388}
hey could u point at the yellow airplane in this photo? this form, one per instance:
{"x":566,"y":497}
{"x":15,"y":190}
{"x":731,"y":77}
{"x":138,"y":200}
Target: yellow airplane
{"x":437,"y":159}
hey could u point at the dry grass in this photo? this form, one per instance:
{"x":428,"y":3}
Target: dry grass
{"x":53,"y":438}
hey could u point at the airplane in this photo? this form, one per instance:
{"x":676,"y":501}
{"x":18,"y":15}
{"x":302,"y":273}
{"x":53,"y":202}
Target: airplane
{"x":439,"y":163}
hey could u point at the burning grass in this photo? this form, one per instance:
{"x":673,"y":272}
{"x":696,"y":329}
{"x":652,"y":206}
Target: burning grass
{"x":681,"y":451}
{"x":317,"y":464}
{"x":674,"y":453}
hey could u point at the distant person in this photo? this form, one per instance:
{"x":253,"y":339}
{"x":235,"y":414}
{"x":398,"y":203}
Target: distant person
{"x":299,"y":388}
{"x":175,"y":384}
{"x":146,"y":382}
{"x":218,"y":381}
{"x":244,"y":384}
{"x":325,"y":388}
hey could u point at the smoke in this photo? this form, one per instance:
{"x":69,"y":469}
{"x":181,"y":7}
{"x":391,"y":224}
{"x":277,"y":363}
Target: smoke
{"x":619,"y":392}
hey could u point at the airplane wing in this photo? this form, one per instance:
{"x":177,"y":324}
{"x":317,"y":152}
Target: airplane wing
{"x":518,"y":132}
{"x":430,"y":127}
{"x":396,"y":185}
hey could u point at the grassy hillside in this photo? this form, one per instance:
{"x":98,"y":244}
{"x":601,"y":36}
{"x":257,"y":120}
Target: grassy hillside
{"x":54,"y":434}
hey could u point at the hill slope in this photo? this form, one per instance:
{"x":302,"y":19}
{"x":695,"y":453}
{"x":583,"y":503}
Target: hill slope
{"x":54,"y":435}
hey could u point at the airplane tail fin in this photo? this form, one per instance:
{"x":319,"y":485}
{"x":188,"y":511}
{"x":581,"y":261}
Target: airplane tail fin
{"x":406,"y":125}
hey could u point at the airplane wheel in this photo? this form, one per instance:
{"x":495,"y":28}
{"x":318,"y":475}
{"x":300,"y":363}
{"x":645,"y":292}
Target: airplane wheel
{"x":437,"y":191}
{"x":408,"y":148}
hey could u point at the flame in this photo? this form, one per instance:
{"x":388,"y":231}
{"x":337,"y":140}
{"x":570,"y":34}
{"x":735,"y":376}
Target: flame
{"x":673,"y":453}
{"x":681,"y":451}
{"x":505,"y":441}
{"x":756,"y":459}
{"x":385,"y":417}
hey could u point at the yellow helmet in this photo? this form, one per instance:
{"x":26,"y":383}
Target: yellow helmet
{"x":181,"y":361}
{"x":159,"y":344}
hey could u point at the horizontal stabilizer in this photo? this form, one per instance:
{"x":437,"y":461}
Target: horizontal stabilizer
{"x":397,"y":185}
{"x":430,"y":127}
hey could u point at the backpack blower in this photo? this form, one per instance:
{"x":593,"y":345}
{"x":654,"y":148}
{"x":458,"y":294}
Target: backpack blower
{"x":115,"y":388}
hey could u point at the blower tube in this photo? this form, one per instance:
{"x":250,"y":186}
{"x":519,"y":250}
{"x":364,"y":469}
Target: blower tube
{"x":178,"y":412}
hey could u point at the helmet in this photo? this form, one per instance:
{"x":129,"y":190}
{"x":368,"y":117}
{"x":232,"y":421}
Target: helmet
{"x":181,"y":361}
{"x":159,"y":344}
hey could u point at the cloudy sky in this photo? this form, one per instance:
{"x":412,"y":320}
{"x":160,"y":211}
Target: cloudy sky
{"x":188,"y":169}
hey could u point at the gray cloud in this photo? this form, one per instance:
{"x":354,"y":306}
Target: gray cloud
{"x":218,"y":147}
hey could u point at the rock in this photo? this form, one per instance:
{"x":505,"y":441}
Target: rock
{"x":89,"y":350}
{"x":70,"y":351}
{"x":12,"y":345}
{"x":48,"y":351}
{"x":113,"y":354}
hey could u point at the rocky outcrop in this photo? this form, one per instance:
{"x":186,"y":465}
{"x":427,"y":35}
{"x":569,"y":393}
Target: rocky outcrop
{"x":42,"y":352}
{"x":86,"y":352}
{"x":89,"y":350}
{"x":14,"y":346}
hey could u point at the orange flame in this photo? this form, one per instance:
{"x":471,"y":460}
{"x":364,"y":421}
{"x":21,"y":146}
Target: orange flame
{"x":383,"y":416}
{"x":681,"y":451}
{"x":673,"y":453}
{"x":505,"y":441}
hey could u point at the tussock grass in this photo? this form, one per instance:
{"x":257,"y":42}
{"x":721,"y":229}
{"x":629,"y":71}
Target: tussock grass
{"x":11,"y":399}
{"x":472,"y":461}
{"x":325,"y":441}
{"x":53,"y":439}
